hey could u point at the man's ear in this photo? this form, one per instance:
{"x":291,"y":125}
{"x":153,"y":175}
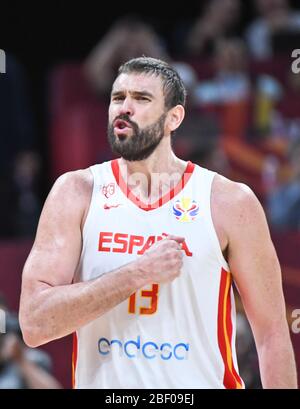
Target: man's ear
{"x":175,"y":117}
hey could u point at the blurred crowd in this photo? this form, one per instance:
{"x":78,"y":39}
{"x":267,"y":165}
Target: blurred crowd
{"x":242,"y":120}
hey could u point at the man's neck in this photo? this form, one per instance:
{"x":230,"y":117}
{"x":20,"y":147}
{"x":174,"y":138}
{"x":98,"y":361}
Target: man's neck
{"x":155,"y":176}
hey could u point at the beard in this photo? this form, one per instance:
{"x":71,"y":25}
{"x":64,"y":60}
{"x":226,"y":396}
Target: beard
{"x":141,"y":143}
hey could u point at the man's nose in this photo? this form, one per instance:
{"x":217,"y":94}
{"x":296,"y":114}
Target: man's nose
{"x":127,"y":107}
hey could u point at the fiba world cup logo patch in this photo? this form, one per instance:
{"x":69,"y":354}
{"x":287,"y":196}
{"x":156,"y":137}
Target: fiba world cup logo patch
{"x":185,"y":209}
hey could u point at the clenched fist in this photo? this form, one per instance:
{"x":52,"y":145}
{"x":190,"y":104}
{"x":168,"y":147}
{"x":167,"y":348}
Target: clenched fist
{"x":163,"y":261}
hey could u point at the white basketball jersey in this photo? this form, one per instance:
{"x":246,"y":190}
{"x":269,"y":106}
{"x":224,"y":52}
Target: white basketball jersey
{"x":175,"y":335}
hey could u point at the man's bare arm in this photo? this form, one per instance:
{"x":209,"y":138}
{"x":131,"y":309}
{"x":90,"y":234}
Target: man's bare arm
{"x":51,"y":306}
{"x":254,"y":264}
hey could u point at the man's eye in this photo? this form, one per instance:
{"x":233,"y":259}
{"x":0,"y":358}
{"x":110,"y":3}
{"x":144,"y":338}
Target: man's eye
{"x":117,"y":98}
{"x":143,"y":99}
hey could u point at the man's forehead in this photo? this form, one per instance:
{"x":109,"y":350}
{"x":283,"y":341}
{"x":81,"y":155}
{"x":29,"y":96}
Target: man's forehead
{"x":138,"y":82}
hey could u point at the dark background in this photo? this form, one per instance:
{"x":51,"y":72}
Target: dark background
{"x":41,"y":35}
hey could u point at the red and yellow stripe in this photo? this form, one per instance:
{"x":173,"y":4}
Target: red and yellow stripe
{"x":231,"y":378}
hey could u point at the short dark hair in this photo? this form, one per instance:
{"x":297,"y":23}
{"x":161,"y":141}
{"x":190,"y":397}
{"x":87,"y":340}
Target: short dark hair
{"x":173,"y":87}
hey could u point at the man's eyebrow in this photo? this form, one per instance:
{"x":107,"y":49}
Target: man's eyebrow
{"x":142,"y":93}
{"x":113,"y":93}
{"x":134,"y":93}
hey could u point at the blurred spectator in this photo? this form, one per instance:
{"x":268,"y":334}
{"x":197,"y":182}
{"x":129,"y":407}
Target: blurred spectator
{"x":213,"y":157}
{"x":229,"y":91}
{"x":288,"y":107}
{"x":128,"y":37}
{"x":18,"y":144}
{"x":198,"y":140}
{"x":268,"y":92}
{"x":244,"y":107}
{"x":219,"y":19}
{"x":25,"y":181}
{"x":190,"y":80}
{"x":231,"y":82}
{"x":275,"y":18}
{"x":22,"y":367}
{"x":283,"y":204}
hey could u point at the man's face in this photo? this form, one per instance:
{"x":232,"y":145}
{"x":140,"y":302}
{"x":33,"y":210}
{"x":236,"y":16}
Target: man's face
{"x":136,"y":116}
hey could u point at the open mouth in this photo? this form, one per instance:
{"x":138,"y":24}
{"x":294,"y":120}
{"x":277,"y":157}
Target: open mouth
{"x":121,"y":128}
{"x":121,"y":124}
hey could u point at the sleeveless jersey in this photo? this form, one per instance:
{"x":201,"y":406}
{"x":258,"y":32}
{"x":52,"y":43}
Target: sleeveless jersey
{"x":173,"y":335}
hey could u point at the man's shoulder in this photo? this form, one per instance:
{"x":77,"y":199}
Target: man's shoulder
{"x":71,"y":191}
{"x":233,"y":199}
{"x":230,"y":190}
{"x":74,"y":182}
{"x":234,"y":207}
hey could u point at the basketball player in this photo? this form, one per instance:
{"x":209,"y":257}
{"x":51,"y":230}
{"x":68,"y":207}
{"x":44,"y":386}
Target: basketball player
{"x":137,"y":256}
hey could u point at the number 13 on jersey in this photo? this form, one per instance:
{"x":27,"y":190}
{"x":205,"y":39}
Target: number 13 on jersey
{"x":151,"y":295}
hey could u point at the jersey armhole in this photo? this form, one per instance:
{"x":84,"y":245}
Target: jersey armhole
{"x":86,"y":225}
{"x":212,"y":230}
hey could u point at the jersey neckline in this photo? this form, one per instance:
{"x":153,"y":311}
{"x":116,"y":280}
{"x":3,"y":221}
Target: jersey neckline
{"x":162,"y":200}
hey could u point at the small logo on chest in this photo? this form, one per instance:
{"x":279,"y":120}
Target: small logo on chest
{"x":108,"y":190}
{"x":107,"y":207}
{"x":185,"y":209}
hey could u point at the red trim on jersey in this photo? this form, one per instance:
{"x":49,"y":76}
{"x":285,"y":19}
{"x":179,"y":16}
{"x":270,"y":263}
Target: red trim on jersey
{"x":74,"y":358}
{"x":231,"y":378}
{"x":229,"y":331}
{"x":162,"y":200}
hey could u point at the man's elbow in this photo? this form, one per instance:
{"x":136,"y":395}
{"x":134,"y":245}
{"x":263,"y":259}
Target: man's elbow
{"x":30,"y":339}
{"x":31,"y":332}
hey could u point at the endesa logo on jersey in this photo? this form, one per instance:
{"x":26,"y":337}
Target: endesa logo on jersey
{"x":131,"y":243}
{"x":136,"y":349}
